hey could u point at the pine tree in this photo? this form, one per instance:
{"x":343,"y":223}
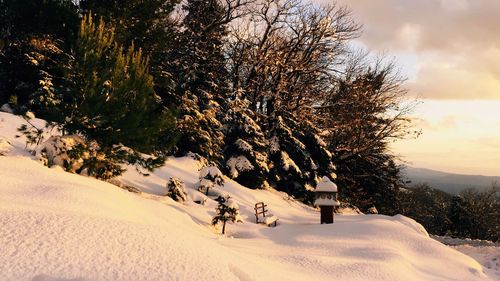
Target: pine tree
{"x":246,"y":151}
{"x":201,"y":79}
{"x":210,"y":177}
{"x":149,"y":25}
{"x":460,"y":217}
{"x":199,"y":131}
{"x":299,"y":157}
{"x":176,"y":190}
{"x":35,"y":41}
{"x":203,"y":63}
{"x":113,"y":103}
{"x":374,"y":181}
{"x":226,"y":211}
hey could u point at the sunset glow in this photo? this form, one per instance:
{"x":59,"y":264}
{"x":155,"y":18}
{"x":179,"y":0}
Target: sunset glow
{"x":450,"y":53}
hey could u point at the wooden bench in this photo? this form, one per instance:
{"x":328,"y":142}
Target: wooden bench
{"x":269,"y":220}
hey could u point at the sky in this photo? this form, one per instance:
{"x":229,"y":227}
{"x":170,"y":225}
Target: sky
{"x":450,"y":52}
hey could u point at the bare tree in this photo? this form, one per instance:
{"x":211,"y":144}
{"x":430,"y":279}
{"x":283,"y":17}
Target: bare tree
{"x":284,"y":56}
{"x":366,"y":109}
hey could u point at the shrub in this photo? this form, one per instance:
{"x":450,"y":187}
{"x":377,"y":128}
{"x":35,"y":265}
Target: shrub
{"x":176,"y":190}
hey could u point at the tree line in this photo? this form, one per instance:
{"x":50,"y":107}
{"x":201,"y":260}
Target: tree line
{"x":471,"y":214}
{"x":274,"y":92}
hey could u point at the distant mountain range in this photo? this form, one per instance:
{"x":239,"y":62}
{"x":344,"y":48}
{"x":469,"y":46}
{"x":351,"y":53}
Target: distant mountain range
{"x":448,"y":182}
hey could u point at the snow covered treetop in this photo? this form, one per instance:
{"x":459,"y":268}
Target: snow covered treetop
{"x":211,"y":171}
{"x":326,"y":185}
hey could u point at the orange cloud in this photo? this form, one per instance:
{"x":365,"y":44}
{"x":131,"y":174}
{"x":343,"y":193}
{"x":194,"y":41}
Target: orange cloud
{"x":456,"y":42}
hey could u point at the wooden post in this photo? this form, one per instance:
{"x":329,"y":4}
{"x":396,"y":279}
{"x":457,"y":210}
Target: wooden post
{"x":326,"y":214}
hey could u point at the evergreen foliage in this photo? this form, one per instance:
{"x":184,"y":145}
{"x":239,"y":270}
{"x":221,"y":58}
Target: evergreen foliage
{"x":110,"y":101}
{"x":202,"y":68}
{"x":471,"y":214}
{"x":210,"y":177}
{"x":226,"y":211}
{"x":113,"y":102}
{"x":148,"y":25}
{"x":294,"y":150}
{"x":199,"y":132}
{"x":35,"y":40}
{"x":199,"y":71}
{"x":267,"y":100}
{"x":246,"y":150}
{"x":176,"y":190}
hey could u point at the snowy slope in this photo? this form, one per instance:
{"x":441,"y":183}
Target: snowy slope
{"x":59,"y":226}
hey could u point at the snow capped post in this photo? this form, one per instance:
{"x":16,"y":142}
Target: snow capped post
{"x":326,"y":199}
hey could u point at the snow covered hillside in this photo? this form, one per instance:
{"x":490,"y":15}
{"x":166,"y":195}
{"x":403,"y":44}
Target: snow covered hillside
{"x":59,"y":226}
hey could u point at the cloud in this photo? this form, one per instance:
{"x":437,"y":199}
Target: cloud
{"x":448,"y":122}
{"x":420,"y":123}
{"x":456,"y":42}
{"x":441,"y":24}
{"x":490,"y":142}
{"x":452,"y":77}
{"x":462,"y":136}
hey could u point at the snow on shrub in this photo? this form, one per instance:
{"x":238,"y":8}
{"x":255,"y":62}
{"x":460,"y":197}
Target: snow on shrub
{"x":217,"y":192}
{"x":7,"y":108}
{"x":78,"y":155}
{"x":288,"y":163}
{"x":246,"y":149}
{"x":243,"y":145}
{"x":57,"y":150}
{"x":5,"y":146}
{"x":199,"y":198}
{"x":238,"y":164}
{"x":372,"y":210}
{"x":227,"y":210}
{"x":210,"y":177}
{"x":176,"y":190}
{"x":29,"y":115}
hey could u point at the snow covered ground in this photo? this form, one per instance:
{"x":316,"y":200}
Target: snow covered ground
{"x":58,"y":226}
{"x":485,"y":252}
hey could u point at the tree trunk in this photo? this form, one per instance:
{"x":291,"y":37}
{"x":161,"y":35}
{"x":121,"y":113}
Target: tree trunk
{"x":224,"y":227}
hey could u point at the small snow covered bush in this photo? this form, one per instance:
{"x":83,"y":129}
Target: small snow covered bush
{"x":5,"y":146}
{"x":176,"y":190}
{"x":227,"y":210}
{"x":76,"y":155}
{"x":210,"y":177}
{"x":7,"y":108}
{"x":57,"y":151}
{"x":372,"y":210}
{"x":35,"y":135}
